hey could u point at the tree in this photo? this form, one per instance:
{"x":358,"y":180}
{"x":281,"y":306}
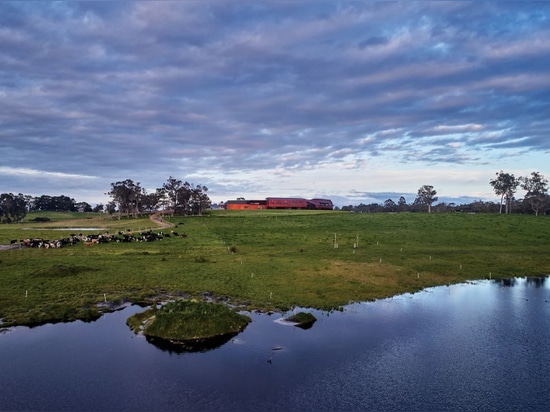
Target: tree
{"x":389,"y":205}
{"x":199,"y":200}
{"x":536,"y":187}
{"x":83,"y":207}
{"x":150,"y":201}
{"x":441,"y":207}
{"x":127,"y":195}
{"x":111,"y":207}
{"x":185,"y":197}
{"x":426,"y":196}
{"x":60,"y":203}
{"x":402,"y":204}
{"x":171,"y":188}
{"x":505,"y":185}
{"x":12,"y":208}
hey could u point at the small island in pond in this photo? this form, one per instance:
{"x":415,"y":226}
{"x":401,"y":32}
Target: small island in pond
{"x":303,"y":320}
{"x":188,"y":325}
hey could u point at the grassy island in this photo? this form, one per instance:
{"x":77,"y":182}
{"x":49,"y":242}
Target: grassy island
{"x":302,"y":319}
{"x":189,"y":325}
{"x":257,"y":260}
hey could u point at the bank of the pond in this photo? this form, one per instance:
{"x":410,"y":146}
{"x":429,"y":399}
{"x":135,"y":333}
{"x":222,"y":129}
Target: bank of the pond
{"x":481,"y":345}
{"x":265,"y":261}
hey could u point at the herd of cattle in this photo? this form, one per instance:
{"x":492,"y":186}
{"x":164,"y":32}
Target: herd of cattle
{"x":92,"y":239}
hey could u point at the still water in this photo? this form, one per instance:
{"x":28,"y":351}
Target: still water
{"x":478,"y":346}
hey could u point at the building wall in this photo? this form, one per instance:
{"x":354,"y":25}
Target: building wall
{"x":278,"y":203}
{"x":286,"y":203}
{"x":245,"y":206}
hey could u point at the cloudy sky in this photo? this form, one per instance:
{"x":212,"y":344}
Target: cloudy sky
{"x":358,"y":101}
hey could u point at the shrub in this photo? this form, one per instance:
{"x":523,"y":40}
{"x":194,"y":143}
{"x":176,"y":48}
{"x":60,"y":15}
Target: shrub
{"x":41,"y":219}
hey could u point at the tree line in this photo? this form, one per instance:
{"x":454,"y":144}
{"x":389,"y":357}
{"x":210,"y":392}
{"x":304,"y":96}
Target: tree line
{"x":128,"y":198}
{"x":184,"y":198}
{"x":177,"y":196}
{"x":425,"y":198}
{"x":505,"y":186}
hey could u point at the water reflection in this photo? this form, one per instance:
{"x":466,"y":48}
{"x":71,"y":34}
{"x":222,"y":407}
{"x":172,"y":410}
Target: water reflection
{"x":194,"y":345}
{"x":506,"y":282}
{"x":535,"y":281}
{"x":478,"y":346}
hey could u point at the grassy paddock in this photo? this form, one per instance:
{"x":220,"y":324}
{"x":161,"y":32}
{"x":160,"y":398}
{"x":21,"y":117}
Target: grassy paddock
{"x":269,"y":260}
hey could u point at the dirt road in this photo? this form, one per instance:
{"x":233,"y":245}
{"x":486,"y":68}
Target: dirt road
{"x":158,"y":220}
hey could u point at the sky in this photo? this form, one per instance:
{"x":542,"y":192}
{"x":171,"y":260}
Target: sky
{"x":356,"y":101}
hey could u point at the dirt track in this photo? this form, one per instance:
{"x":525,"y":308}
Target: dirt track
{"x":10,"y":247}
{"x":157,"y":219}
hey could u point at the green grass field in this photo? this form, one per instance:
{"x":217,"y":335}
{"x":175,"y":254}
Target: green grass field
{"x":268,"y":260}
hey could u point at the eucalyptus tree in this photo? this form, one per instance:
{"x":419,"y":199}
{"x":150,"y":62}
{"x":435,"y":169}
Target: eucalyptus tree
{"x":185,"y":197}
{"x":110,"y":207}
{"x":402,"y":204}
{"x":505,"y":185}
{"x":83,"y":207}
{"x":426,"y":196}
{"x":536,"y":187}
{"x":184,"y":194}
{"x":390,"y":205}
{"x":171,"y":188}
{"x":127,"y":195}
{"x":13,"y":208}
{"x":60,"y":203}
{"x":199,"y":200}
{"x":150,"y":201}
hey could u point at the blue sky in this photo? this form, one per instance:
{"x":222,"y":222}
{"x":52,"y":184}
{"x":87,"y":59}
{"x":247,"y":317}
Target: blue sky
{"x":358,"y":101}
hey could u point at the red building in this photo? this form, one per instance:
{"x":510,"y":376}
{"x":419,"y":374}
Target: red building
{"x":279,"y":203}
{"x":245,"y":204}
{"x":320,"y":204}
{"x":286,"y":203}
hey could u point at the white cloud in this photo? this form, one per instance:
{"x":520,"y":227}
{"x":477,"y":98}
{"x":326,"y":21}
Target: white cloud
{"x":39,"y":174}
{"x":277,"y":98}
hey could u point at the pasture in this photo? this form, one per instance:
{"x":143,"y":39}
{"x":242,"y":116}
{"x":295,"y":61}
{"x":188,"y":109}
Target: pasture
{"x":265,"y":260}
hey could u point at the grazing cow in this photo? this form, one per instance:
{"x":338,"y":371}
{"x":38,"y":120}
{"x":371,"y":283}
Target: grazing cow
{"x":91,"y":239}
{"x":127,"y":238}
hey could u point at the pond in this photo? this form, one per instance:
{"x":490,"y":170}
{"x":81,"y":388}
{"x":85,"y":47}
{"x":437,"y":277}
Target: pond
{"x":477,"y":346}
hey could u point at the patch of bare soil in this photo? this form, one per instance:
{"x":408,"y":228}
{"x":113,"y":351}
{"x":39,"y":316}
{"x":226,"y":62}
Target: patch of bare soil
{"x":158,"y":220}
{"x":9,"y":247}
